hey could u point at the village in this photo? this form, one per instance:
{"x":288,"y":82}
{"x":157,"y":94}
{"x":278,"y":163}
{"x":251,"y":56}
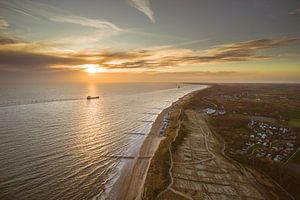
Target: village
{"x":269,"y":142}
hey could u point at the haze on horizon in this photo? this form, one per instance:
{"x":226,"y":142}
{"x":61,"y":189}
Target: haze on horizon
{"x":149,"y":40}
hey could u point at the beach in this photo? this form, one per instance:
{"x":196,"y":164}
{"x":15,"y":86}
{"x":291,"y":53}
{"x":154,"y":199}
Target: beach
{"x":130,"y":184}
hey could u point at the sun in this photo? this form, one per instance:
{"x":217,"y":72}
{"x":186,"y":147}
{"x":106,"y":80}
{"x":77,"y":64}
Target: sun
{"x":92,"y":68}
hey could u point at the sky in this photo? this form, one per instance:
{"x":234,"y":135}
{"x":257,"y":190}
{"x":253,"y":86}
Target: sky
{"x":149,"y":40}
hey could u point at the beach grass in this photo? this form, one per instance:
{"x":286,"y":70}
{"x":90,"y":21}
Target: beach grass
{"x":158,"y":177}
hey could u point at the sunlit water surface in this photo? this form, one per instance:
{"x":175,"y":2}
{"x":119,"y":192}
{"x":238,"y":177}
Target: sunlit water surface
{"x":55,"y":144}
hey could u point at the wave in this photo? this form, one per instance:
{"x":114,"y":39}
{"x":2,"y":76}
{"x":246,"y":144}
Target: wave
{"x":74,"y":150}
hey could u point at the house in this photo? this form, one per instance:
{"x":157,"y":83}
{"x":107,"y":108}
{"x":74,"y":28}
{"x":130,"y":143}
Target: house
{"x":285,"y":130}
{"x":259,"y":134}
{"x":222,"y":112}
{"x":290,"y":145}
{"x":263,"y":136}
{"x":275,"y":148}
{"x":265,"y":144}
{"x":209,"y":111}
{"x":277,"y":158}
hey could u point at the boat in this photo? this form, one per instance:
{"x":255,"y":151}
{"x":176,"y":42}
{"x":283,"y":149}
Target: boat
{"x":89,"y":97}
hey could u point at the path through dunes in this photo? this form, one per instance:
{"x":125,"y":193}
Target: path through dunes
{"x":200,"y":171}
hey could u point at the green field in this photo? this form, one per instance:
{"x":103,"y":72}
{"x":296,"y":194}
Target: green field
{"x":294,"y":123}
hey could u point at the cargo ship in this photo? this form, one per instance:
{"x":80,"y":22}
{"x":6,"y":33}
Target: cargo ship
{"x":89,"y":97}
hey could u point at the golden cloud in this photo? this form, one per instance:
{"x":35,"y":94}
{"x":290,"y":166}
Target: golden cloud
{"x":12,"y":55}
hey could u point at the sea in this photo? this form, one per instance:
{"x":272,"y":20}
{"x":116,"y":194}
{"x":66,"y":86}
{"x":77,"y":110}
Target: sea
{"x":56,"y":144}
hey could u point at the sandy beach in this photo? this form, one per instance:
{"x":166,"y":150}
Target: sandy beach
{"x":130,"y":184}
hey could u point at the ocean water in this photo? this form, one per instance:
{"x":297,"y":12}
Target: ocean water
{"x":55,"y":144}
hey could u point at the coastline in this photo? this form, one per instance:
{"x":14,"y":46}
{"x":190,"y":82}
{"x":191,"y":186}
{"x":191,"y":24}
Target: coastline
{"x":160,"y":181}
{"x":130,"y":184}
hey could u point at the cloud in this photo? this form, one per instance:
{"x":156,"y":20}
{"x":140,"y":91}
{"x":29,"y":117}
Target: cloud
{"x":83,"y":21}
{"x":173,"y":57}
{"x":44,"y":11}
{"x":99,"y":29}
{"x":295,"y":12}
{"x":247,"y":50}
{"x":8,"y":40}
{"x":144,"y":7}
{"x":3,"y":24}
{"x":41,"y":11}
{"x":21,"y":60}
{"x":156,"y":59}
{"x":102,"y":29}
{"x":31,"y":9}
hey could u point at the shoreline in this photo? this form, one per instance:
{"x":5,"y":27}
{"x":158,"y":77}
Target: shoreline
{"x":160,"y":180}
{"x":130,"y":184}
